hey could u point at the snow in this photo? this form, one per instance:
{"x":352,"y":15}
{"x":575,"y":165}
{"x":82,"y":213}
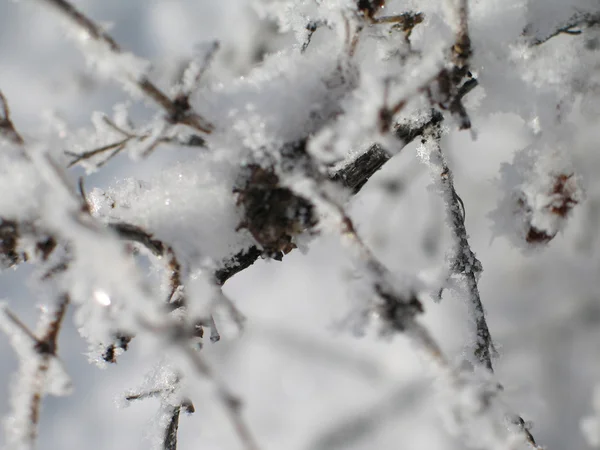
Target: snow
{"x":305,"y":379}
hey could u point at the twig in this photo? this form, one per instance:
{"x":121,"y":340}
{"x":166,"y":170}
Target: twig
{"x":157,"y":247}
{"x":192,"y":76}
{"x":464,"y":263}
{"x":170,"y":438}
{"x":177,"y":112}
{"x":311,"y":27}
{"x":44,"y":348}
{"x":119,"y":146}
{"x":231,"y":403}
{"x":576,"y":21}
{"x":7,"y":128}
{"x":352,"y":175}
{"x":462,"y":45}
{"x":356,"y":173}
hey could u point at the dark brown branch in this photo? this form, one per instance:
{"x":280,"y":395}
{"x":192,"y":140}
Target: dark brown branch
{"x":355,"y":174}
{"x":45,"y":347}
{"x":230,"y":402}
{"x":48,"y":342}
{"x":134,"y":233}
{"x":464,"y":263}
{"x":9,"y":237}
{"x":117,"y":147}
{"x":170,"y":439}
{"x":177,"y":112}
{"x":158,"y":248}
{"x":240,"y":261}
{"x":571,"y":26}
{"x":7,"y":128}
{"x":311,"y":27}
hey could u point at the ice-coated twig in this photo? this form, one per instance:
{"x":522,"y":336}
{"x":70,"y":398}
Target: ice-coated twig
{"x":179,"y":335}
{"x":311,"y":27}
{"x":177,"y":112}
{"x":7,"y":128}
{"x":194,"y":72}
{"x":462,"y":44}
{"x":134,"y":233}
{"x":572,"y":26}
{"x":36,"y":353}
{"x":357,"y":172}
{"x":151,"y":140}
{"x":170,"y":435}
{"x":463,"y":262}
{"x":353,"y":175}
{"x":231,"y":403}
{"x":170,"y":412}
{"x":117,"y":148}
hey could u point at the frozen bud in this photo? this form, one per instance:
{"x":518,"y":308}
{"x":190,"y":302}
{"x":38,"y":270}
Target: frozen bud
{"x":540,"y":189}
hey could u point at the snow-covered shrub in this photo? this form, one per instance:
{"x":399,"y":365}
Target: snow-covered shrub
{"x":260,"y":128}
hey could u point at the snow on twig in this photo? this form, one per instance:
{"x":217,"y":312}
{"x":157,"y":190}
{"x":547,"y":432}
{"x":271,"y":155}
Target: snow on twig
{"x":104,"y":51}
{"x":40,"y":371}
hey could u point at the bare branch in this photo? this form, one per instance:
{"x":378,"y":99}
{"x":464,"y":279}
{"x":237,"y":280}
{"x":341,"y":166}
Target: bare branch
{"x":119,"y":146}
{"x":231,"y":403}
{"x":34,"y":377}
{"x":464,"y":262}
{"x":177,"y":112}
{"x":170,"y":438}
{"x":572,"y":26}
{"x":7,"y":129}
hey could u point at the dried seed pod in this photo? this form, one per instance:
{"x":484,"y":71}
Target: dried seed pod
{"x":273,"y":214}
{"x":540,"y":192}
{"x":562,"y":198}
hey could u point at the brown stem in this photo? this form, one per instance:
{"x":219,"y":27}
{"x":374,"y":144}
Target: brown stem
{"x":177,"y":112}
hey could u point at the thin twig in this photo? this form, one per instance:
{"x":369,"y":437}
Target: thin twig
{"x":45,"y":348}
{"x":571,"y":27}
{"x":464,"y":262}
{"x":157,"y":247}
{"x":311,"y":27}
{"x":231,"y":403}
{"x":466,"y":265}
{"x":7,"y":128}
{"x":353,"y":175}
{"x":177,"y":112}
{"x":170,"y":438}
{"x":119,"y":146}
